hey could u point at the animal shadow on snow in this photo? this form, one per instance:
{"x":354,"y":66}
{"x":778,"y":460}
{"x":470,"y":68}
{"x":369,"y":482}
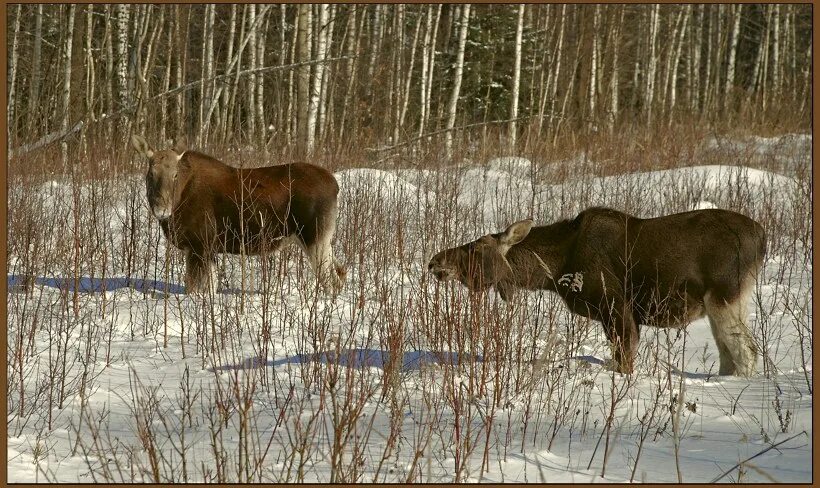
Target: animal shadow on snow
{"x":356,"y":358}
{"x":86,"y":284}
{"x":686,"y":374}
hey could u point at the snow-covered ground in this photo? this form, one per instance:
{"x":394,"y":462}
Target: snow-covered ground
{"x":399,"y":378}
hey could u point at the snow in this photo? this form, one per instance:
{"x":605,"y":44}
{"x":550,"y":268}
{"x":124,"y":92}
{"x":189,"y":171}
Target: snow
{"x":165,"y":369}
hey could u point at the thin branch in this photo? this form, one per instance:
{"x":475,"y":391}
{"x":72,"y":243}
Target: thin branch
{"x":756,"y":455}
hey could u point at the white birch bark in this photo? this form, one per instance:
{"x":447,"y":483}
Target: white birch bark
{"x":730,"y":69}
{"x":425,"y":66}
{"x":776,"y":68}
{"x":260,"y":81}
{"x":453,"y":104}
{"x":316,"y":86}
{"x":90,"y":82}
{"x":303,"y":78}
{"x":649,"y":82}
{"x":250,"y":90}
{"x":66,"y":95}
{"x":226,"y":92}
{"x":680,"y":34}
{"x":593,"y":65}
{"x":516,"y":79}
{"x":34,"y":84}
{"x":353,"y":43}
{"x":123,"y":98}
{"x":12,"y":75}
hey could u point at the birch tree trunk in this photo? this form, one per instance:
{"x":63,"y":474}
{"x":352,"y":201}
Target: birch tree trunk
{"x":250,"y":93}
{"x":123,"y":97}
{"x":593,"y":65}
{"x":225,"y":124}
{"x":452,"y":105}
{"x":260,"y":82}
{"x":516,"y":80}
{"x":428,"y":66}
{"x":34,"y":83}
{"x":352,"y":48}
{"x":730,"y":69}
{"x":409,"y":78}
{"x":649,"y":82}
{"x":316,"y":87}
{"x":90,"y":81}
{"x":206,"y":88}
{"x":680,"y":34}
{"x":425,"y":66}
{"x":67,"y":51}
{"x":303,"y":79}
{"x":12,"y":76}
{"x":776,"y":68}
{"x":613,"y":80}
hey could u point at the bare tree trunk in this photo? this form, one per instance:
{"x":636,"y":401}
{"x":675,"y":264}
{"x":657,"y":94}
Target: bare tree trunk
{"x":776,"y":68}
{"x":325,"y":100}
{"x":67,"y":51}
{"x":555,"y":74}
{"x":12,"y":75}
{"x":425,"y":65}
{"x":166,"y":84}
{"x":250,"y":91}
{"x":260,"y":82}
{"x":730,"y":69}
{"x":409,"y":78}
{"x":649,"y":83}
{"x":516,"y":79}
{"x":678,"y":35}
{"x":226,"y":92}
{"x":613,"y":80}
{"x":34,"y":83}
{"x":123,"y":96}
{"x":353,"y":42}
{"x":593,"y":65}
{"x":206,"y":87}
{"x":451,"y":107}
{"x":90,"y":81}
{"x":428,"y":65}
{"x":303,"y":79}
{"x":316,"y":87}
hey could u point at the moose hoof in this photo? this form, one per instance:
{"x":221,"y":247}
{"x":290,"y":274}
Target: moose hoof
{"x":619,"y":367}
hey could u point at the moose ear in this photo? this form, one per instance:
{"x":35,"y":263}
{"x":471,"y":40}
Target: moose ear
{"x":180,"y":146}
{"x":515,"y":233}
{"x":141,"y":145}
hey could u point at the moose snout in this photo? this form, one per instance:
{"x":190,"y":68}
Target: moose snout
{"x":161,"y":213}
{"x":442,"y":273}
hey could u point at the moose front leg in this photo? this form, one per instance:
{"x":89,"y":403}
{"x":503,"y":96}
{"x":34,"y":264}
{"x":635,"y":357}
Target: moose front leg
{"x":198,"y":272}
{"x":624,"y":336}
{"x":507,"y":291}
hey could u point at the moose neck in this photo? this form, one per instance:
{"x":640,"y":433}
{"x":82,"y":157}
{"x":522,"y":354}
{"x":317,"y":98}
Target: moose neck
{"x":538,"y":260}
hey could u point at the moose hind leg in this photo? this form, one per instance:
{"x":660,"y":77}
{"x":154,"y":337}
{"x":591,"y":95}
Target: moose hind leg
{"x":736,"y":346}
{"x":199,"y":275}
{"x":328,"y":271}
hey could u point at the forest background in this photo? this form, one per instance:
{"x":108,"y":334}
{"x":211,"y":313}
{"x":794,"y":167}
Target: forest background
{"x":356,"y":81}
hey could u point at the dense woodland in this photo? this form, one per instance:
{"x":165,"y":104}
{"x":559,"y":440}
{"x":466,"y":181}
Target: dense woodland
{"x":315,"y":77}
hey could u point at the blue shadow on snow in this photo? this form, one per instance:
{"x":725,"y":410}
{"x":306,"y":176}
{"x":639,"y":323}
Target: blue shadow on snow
{"x":356,"y":358}
{"x":89,"y":285}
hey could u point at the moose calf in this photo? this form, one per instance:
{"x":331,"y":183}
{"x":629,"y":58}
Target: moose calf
{"x":206,"y":207}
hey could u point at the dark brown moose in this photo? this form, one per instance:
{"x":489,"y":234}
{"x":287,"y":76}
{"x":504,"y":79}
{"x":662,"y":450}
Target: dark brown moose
{"x":206,"y":207}
{"x":625,"y":271}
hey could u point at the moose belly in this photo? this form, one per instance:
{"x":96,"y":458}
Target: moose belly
{"x":670,"y":313}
